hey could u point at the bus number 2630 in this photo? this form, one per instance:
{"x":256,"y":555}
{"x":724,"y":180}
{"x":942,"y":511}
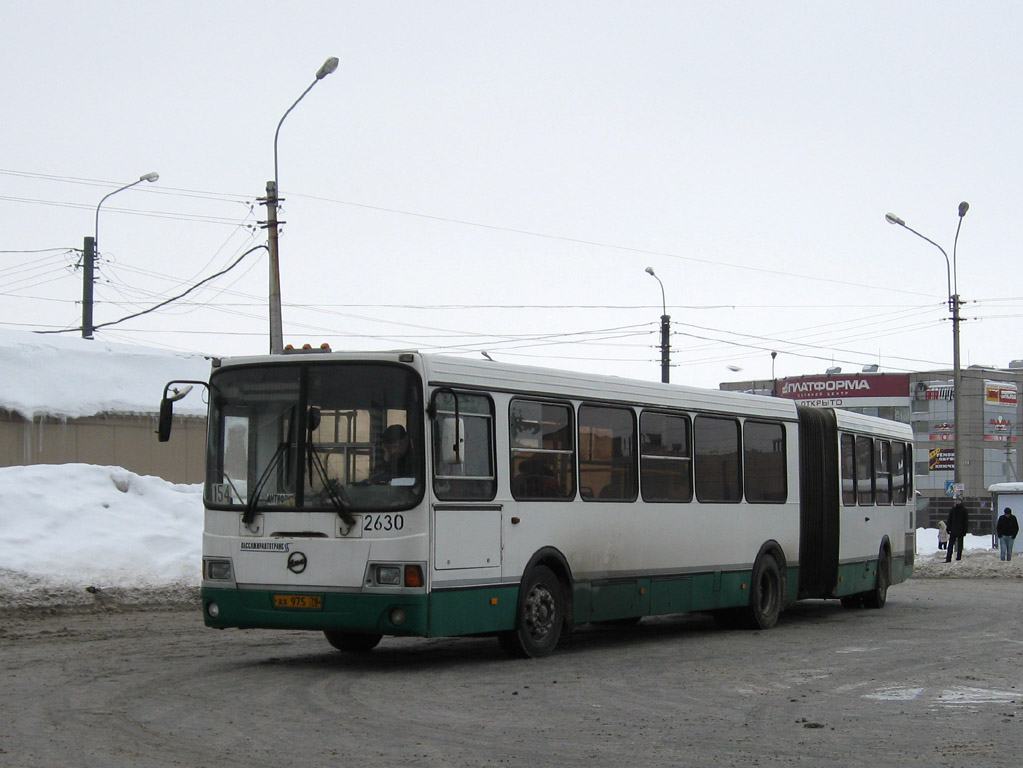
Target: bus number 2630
{"x":386,"y":522}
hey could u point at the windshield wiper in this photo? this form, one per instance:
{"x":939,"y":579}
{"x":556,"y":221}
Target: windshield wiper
{"x":332,"y":487}
{"x":250,"y":507}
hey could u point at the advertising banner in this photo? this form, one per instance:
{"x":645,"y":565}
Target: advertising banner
{"x":941,"y":459}
{"x":848,"y":389}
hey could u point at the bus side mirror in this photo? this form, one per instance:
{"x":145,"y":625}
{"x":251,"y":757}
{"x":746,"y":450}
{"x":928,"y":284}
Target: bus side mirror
{"x":452,"y":440}
{"x":170,"y":394}
{"x":166,"y":419}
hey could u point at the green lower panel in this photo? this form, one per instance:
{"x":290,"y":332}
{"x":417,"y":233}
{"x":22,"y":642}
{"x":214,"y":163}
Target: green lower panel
{"x":351,"y":612}
{"x":472,"y":611}
{"x":854,"y":578}
{"x":669,"y":596}
{"x":658,"y":596}
{"x":902,"y":569}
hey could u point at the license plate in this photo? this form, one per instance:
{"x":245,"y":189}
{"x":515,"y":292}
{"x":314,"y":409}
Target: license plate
{"x":300,"y":602}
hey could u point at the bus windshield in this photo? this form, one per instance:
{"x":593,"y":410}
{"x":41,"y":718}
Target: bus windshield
{"x":328,"y":436}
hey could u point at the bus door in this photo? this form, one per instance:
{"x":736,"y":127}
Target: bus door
{"x":467,"y":520}
{"x":863,"y":524}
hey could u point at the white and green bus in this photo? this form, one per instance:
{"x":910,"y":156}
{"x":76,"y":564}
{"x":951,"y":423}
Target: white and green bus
{"x":372,"y":494}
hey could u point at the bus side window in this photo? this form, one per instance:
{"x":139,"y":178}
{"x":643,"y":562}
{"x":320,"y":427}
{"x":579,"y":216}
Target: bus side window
{"x":763,"y":446}
{"x":717,"y":450}
{"x":473,"y":477}
{"x":542,"y":450}
{"x":899,"y":479}
{"x":849,"y":470}
{"x":864,"y":471}
{"x":882,"y":472}
{"x":666,"y":467}
{"x":607,"y":453}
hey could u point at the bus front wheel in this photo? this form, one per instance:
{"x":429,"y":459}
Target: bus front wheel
{"x":538,"y":618}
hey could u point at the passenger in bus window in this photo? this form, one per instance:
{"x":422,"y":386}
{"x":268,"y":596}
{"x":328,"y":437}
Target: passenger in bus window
{"x":535,"y":480}
{"x":394,"y":455}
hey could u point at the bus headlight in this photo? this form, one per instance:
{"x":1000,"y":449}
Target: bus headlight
{"x":218,"y":570}
{"x":212,"y":609}
{"x":388,"y":575}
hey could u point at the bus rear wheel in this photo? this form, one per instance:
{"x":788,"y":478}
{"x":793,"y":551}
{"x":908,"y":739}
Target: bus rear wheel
{"x":538,"y":617}
{"x":352,"y":642}
{"x":878,"y":596}
{"x":766,"y":592}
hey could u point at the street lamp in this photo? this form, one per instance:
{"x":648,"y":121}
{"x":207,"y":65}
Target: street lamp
{"x":665,"y":329}
{"x":89,"y":257}
{"x":953,"y":307}
{"x":272,"y":202}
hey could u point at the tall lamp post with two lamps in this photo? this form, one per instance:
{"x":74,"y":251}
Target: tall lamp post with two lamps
{"x":90,"y":253}
{"x":954,"y":303}
{"x":272,"y":203}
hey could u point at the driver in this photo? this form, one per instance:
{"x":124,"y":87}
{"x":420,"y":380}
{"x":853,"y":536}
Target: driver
{"x":394,"y":455}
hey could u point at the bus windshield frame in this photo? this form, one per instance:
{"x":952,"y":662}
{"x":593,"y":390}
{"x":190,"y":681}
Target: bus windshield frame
{"x":316,"y":436}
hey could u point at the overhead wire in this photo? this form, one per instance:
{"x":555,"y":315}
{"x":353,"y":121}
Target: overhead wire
{"x":126,"y":291}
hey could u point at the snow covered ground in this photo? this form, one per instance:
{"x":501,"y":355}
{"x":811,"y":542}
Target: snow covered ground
{"x":77,"y":534}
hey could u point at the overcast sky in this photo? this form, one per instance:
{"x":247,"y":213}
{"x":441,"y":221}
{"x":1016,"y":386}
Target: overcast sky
{"x":497,"y":176}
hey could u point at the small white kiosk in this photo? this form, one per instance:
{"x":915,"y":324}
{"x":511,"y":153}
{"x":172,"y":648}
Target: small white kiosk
{"x":1004,"y":495}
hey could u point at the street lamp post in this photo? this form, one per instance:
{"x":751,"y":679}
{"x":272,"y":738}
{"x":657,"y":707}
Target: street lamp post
{"x":272,"y":202}
{"x":953,"y":306}
{"x":89,"y":255}
{"x":665,"y":330}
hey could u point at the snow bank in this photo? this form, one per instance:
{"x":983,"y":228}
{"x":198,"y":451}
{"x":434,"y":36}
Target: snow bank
{"x":980,"y":559}
{"x":70,"y":377}
{"x":79,"y":525}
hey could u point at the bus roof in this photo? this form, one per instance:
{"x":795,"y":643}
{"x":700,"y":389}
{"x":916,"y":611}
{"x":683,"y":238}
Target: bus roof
{"x":451,"y":370}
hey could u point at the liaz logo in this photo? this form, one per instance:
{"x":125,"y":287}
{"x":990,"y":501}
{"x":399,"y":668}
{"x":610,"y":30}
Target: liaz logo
{"x":297,"y":562}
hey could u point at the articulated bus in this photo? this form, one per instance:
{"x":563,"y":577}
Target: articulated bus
{"x":372,"y":494}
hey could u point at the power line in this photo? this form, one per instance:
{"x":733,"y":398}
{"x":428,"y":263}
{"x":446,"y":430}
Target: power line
{"x":173,"y":298}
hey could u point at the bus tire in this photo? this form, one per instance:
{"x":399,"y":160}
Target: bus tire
{"x":766,"y":594}
{"x":538,"y":618}
{"x":351,"y":642}
{"x":878,"y":596}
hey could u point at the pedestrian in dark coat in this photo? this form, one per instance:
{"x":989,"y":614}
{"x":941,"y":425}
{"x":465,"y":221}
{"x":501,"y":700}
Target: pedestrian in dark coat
{"x":957,"y":528}
{"x":1007,"y":529}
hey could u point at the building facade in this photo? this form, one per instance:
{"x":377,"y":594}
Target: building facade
{"x":988,"y":437}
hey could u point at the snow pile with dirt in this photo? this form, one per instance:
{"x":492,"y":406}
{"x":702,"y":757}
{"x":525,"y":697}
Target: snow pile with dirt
{"x":980,"y":559}
{"x":85,"y":535}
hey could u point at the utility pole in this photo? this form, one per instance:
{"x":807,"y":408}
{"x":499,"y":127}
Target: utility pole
{"x":276,"y":321}
{"x":88,"y":267}
{"x":665,"y":330}
{"x":665,"y":347}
